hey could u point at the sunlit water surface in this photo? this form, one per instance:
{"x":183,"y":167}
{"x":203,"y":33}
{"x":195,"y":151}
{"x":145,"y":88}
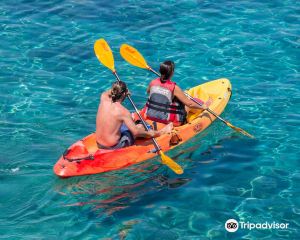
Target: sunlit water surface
{"x":50,"y":81}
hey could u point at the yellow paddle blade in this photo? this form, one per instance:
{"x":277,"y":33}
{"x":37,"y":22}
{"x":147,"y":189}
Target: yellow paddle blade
{"x":131,"y":55}
{"x":239,"y":130}
{"x":104,"y":54}
{"x":170,"y":163}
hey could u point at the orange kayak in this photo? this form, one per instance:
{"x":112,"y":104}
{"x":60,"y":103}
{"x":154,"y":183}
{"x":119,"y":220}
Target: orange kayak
{"x":84,"y":157}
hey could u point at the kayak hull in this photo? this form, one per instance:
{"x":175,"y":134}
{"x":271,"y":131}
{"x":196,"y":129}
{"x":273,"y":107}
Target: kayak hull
{"x":72,"y":163}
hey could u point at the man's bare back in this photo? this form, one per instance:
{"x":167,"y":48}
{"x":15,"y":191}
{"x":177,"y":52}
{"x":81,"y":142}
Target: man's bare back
{"x":109,"y":120}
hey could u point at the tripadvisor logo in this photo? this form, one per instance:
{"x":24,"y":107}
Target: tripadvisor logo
{"x":232,"y":225}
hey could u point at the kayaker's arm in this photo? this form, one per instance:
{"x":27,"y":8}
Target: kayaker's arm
{"x":138,"y":131}
{"x":186,"y":101}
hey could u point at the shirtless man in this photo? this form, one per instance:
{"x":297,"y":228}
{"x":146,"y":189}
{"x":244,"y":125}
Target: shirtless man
{"x":115,"y":127}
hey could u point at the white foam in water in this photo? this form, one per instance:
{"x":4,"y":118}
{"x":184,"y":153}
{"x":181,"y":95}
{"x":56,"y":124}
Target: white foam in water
{"x":15,"y":169}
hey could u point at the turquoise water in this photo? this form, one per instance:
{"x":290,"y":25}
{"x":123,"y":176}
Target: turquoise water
{"x":50,"y":81}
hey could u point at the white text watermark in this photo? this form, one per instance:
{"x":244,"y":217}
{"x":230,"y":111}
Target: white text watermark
{"x":233,"y":225}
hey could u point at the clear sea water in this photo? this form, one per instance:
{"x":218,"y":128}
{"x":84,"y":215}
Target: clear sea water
{"x":50,"y":81}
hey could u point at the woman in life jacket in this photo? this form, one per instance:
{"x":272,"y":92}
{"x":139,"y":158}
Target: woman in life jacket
{"x":167,"y":102}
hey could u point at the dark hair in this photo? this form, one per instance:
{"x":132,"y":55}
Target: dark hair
{"x":166,"y":70}
{"x":118,"y":91}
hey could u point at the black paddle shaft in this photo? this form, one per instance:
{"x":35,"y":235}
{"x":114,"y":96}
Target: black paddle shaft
{"x":137,"y":111}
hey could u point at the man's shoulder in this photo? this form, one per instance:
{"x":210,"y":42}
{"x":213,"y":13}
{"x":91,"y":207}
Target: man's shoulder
{"x":122,"y":109}
{"x":104,"y":95}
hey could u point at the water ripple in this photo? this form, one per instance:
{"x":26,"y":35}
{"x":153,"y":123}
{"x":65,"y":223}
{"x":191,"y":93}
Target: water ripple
{"x":50,"y":83}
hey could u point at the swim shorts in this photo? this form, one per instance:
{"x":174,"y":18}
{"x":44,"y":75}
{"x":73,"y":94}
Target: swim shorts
{"x":125,"y":140}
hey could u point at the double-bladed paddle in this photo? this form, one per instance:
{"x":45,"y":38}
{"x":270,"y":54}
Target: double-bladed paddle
{"x":105,"y":56}
{"x":134,"y":57}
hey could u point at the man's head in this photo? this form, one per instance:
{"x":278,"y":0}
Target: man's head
{"x":118,"y":91}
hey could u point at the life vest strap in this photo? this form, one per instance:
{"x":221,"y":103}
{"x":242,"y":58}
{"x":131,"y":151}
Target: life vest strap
{"x":164,"y":110}
{"x":164,"y":105}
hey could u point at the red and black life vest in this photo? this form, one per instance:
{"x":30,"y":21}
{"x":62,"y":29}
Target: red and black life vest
{"x":162,"y":106}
